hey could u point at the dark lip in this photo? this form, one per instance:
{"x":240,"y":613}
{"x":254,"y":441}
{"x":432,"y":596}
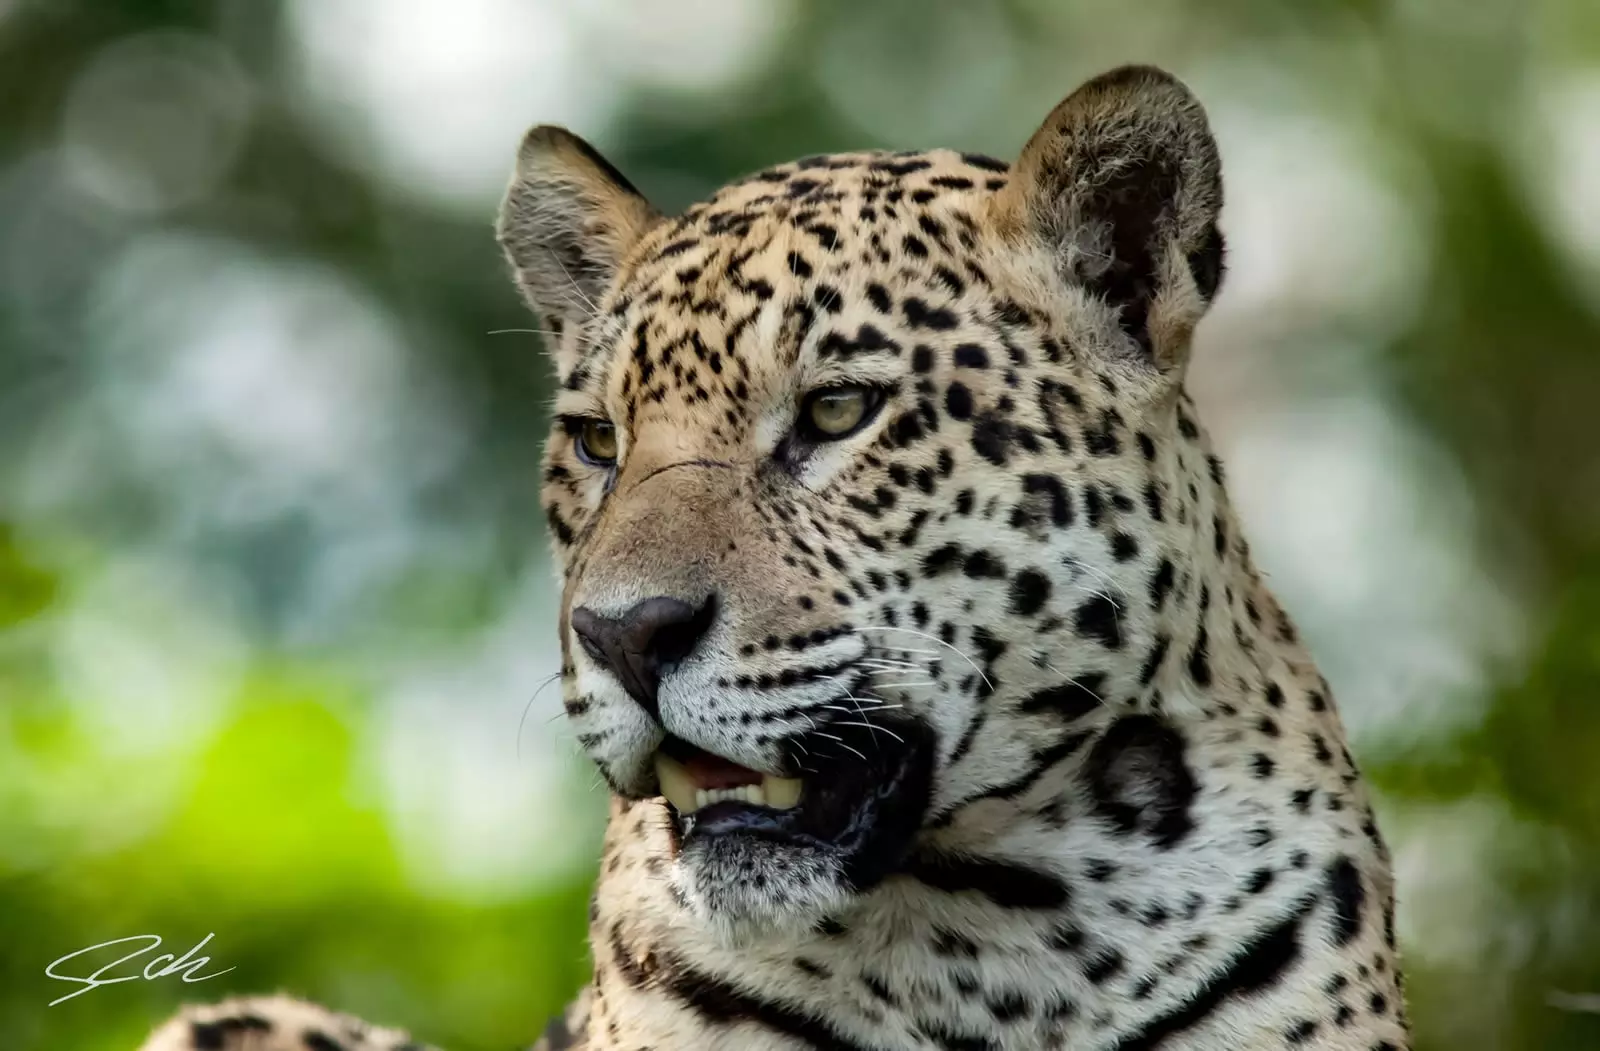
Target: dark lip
{"x":867,"y":790}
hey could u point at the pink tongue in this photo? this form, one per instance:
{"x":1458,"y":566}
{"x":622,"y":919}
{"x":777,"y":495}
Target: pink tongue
{"x":712,"y":771}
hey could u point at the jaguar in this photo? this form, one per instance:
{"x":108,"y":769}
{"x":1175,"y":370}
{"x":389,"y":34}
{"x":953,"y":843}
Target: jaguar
{"x":904,"y":612}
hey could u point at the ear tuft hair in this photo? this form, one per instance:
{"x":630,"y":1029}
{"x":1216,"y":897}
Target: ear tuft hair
{"x":568,"y":219}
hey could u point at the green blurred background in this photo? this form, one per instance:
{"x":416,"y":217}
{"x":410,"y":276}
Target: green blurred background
{"x":275,"y":603}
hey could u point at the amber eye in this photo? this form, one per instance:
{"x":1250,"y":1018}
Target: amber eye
{"x":838,"y":411}
{"x":597,"y":442}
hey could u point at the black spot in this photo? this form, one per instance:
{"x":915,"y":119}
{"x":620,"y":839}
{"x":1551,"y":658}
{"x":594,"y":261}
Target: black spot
{"x":1030,"y":589}
{"x":1008,"y":885}
{"x":1349,"y":897}
{"x":1067,"y":938}
{"x":958,"y":401}
{"x":1103,"y":966}
{"x":867,"y":340}
{"x":1124,"y":547}
{"x":922,"y":358}
{"x":1152,"y":501}
{"x":1161,"y":583}
{"x":1301,"y":1032}
{"x":1007,"y":1005}
{"x":1259,"y":965}
{"x":970,"y":356}
{"x":1052,"y":487}
{"x":798,"y":265}
{"x":1152,"y":662}
{"x":1102,"y":440}
{"x":878,"y":296}
{"x":317,"y":1040}
{"x":991,"y":438}
{"x":920,"y":315}
{"x":988,"y":164}
{"x":1094,"y":505}
{"x":1097,"y":619}
{"x":878,"y":988}
{"x":950,"y":279}
{"x":981,"y":564}
{"x":1199,"y":659}
{"x":213,"y":1035}
{"x":1274,"y":695}
{"x":951,"y":943}
{"x":1139,"y":780}
{"x":1071,"y":700}
{"x":901,"y":167}
{"x":723,"y":1003}
{"x":1261,"y":766}
{"x":940,"y":560}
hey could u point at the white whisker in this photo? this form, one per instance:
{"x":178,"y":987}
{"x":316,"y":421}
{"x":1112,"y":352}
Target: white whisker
{"x":879,"y":729}
{"x":935,"y":638}
{"x":528,"y":707}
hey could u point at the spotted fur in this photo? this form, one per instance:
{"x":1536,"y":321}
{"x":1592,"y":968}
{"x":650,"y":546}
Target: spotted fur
{"x":1145,"y":829}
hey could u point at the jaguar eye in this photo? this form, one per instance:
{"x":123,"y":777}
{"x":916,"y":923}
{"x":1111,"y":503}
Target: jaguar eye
{"x":597,"y":443}
{"x":838,"y":411}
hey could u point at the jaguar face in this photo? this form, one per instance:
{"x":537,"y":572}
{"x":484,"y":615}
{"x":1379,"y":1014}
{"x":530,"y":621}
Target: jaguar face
{"x":843,"y":475}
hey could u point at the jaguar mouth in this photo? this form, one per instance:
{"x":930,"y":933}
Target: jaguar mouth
{"x":693,"y":780}
{"x":860,"y":796}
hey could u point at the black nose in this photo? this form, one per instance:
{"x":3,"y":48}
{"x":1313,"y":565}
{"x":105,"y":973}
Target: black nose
{"x":644,"y":643}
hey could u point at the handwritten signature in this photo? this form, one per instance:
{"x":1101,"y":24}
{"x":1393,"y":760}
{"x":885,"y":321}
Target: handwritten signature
{"x":174,"y":965}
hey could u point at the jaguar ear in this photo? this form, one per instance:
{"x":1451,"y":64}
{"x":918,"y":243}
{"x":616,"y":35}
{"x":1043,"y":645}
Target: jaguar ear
{"x":1123,"y":185}
{"x":566,"y":223}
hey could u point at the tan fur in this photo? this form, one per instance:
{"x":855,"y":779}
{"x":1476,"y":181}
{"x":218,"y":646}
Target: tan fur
{"x":1144,"y":828}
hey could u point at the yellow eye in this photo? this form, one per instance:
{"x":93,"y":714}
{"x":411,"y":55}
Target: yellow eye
{"x":597,"y":442}
{"x":837,"y":412}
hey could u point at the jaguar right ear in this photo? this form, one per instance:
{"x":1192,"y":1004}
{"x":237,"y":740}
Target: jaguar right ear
{"x":566,"y":223}
{"x":1123,"y":186}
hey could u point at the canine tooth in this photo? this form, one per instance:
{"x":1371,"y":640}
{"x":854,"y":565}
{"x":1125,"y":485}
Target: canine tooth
{"x":676,"y":785}
{"x":780,"y":793}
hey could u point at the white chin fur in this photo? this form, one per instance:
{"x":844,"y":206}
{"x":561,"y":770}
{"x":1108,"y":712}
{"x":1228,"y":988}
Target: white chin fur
{"x":743,"y":888}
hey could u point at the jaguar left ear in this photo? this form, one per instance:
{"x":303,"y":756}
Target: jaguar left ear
{"x":566,"y":223}
{"x":1123,"y":186}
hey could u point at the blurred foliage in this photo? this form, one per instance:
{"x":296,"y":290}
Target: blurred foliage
{"x":263,"y":828}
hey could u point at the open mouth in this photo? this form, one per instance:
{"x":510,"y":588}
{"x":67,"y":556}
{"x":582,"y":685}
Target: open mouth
{"x":693,"y":780}
{"x":860,"y":796}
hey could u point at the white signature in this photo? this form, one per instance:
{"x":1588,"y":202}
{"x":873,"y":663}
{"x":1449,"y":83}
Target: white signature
{"x":152,"y":970}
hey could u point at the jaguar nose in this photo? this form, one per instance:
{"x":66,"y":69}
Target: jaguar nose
{"x":645,"y":642}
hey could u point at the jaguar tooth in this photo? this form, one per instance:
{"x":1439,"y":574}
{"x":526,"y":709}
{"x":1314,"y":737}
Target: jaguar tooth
{"x":676,"y":785}
{"x":780,"y":793}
